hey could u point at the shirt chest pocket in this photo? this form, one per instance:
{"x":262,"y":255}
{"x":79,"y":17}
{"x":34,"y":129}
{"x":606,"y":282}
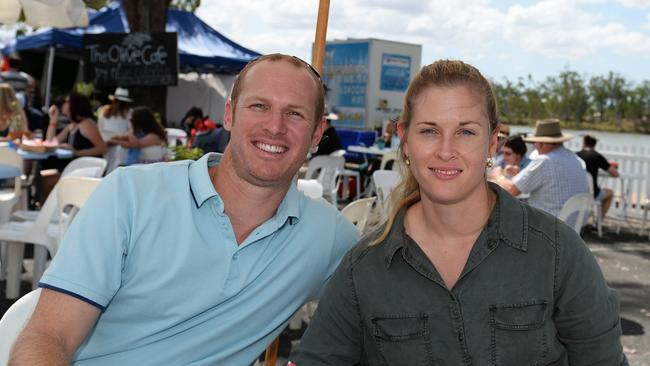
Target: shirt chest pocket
{"x":518,"y":335}
{"x":403,"y":339}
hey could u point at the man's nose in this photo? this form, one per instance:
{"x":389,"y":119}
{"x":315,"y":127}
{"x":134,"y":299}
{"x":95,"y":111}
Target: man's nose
{"x":276,"y":123}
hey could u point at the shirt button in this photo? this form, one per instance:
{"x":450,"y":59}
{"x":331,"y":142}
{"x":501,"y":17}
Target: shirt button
{"x":460,"y":337}
{"x":235,"y":256}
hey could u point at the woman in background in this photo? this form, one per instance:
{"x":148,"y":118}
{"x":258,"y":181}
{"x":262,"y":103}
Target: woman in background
{"x":13,"y":122}
{"x":462,"y":272}
{"x":81,"y":134}
{"x":147,"y":141}
{"x":113,"y":119}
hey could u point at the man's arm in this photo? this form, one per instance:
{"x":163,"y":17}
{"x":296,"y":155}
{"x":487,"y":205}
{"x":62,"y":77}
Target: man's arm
{"x":507,"y":184}
{"x":56,"y":329}
{"x":613,"y":171}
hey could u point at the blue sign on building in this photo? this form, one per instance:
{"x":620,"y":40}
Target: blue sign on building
{"x":395,"y":72}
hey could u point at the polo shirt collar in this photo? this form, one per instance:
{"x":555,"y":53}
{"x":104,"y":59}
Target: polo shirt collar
{"x":508,"y":223}
{"x":203,"y":189}
{"x":200,"y":182}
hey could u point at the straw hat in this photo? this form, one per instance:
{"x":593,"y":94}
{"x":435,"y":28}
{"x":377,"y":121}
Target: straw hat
{"x":548,"y":131}
{"x":504,"y":130}
{"x":328,"y":114}
{"x":121,"y":94}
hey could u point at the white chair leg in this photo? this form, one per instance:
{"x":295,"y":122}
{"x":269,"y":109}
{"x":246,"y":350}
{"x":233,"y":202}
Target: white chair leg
{"x":3,"y":261}
{"x":40,"y":260}
{"x":15,"y":253}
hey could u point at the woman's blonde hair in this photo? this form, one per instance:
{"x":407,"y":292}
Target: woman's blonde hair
{"x":9,"y":102}
{"x":442,"y":73}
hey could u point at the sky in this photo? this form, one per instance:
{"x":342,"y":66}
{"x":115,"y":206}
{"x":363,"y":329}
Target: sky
{"x":504,"y":39}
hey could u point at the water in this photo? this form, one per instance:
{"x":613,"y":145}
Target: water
{"x":631,"y":141}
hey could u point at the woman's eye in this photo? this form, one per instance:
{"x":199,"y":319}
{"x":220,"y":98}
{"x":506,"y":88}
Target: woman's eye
{"x":467,"y":132}
{"x":427,"y":131}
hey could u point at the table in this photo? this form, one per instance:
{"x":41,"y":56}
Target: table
{"x":60,"y":153}
{"x":370,"y":150}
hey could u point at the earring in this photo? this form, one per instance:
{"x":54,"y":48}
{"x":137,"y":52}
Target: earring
{"x":313,"y":149}
{"x":407,"y":161}
{"x":489,"y":163}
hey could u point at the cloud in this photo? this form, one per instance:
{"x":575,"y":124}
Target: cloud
{"x":560,"y":29}
{"x":641,"y":4}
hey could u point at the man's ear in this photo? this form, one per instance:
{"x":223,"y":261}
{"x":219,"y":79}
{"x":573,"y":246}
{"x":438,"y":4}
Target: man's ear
{"x":228,"y":115}
{"x":318,"y":132}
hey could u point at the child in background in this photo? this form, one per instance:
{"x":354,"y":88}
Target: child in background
{"x":146,"y":142}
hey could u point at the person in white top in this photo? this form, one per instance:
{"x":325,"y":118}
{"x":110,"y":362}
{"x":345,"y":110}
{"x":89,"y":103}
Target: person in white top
{"x":113,"y":119}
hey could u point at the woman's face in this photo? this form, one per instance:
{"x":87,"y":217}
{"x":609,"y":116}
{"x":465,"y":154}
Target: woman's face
{"x":511,"y":157}
{"x":448,"y":143}
{"x":65,"y":108}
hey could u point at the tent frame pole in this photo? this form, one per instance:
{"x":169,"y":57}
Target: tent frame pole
{"x":48,"y":77}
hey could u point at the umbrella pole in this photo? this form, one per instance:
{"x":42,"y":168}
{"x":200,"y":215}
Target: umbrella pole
{"x":318,"y":53}
{"x":48,"y":77}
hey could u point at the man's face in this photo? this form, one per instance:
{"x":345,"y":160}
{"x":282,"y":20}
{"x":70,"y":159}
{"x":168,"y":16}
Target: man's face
{"x":272,"y":126}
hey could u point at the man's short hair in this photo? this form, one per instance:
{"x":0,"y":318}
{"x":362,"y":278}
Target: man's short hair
{"x":320,"y":90}
{"x":589,"y":141}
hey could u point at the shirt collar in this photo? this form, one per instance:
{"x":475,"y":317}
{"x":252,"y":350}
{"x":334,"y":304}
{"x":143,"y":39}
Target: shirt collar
{"x":200,"y":182}
{"x":203,"y":189}
{"x":508,"y":223}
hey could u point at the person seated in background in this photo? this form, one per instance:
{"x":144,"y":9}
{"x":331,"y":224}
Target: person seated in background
{"x":13,"y":122}
{"x":595,"y":161}
{"x":146,"y":142}
{"x":113,"y":119}
{"x":390,"y":138}
{"x":192,"y":115}
{"x":462,"y":272}
{"x":330,"y":141}
{"x":81,"y":135}
{"x":502,"y":136}
{"x":553,"y":176}
{"x":514,"y":158}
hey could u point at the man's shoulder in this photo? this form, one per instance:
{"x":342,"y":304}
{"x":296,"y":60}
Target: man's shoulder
{"x":152,"y":176}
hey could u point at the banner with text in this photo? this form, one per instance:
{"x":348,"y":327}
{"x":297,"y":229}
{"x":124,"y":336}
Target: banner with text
{"x":131,"y":59}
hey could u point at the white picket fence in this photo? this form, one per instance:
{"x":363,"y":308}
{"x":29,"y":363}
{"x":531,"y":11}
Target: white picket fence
{"x":632,"y":190}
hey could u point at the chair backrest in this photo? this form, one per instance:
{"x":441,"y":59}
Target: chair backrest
{"x":327,"y":170}
{"x":339,"y":152}
{"x":310,"y":187}
{"x":388,"y":157}
{"x":11,"y":158}
{"x":86,"y":162}
{"x":14,"y":320}
{"x":358,"y":211}
{"x":73,"y":191}
{"x":575,"y":211}
{"x":385,"y":181}
{"x":176,"y":135}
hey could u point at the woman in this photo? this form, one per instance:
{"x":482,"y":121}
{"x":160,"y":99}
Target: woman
{"x":113,"y":119}
{"x":514,"y":157}
{"x":147,"y":141}
{"x":462,"y":273}
{"x":13,"y":122}
{"x":81,"y":134}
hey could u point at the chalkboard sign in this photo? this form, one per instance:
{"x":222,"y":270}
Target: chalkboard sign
{"x":131,"y":59}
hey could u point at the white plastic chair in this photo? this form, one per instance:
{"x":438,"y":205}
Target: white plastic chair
{"x":310,"y":187}
{"x":358,"y":212}
{"x":346,"y":173}
{"x":388,"y":157}
{"x":576,"y":210}
{"x":73,"y":192}
{"x":327,"y":170}
{"x":99,"y":167}
{"x":385,"y":181}
{"x":175,"y":135}
{"x":40,"y":232}
{"x":597,"y":211}
{"x":9,"y":198}
{"x":14,"y":320}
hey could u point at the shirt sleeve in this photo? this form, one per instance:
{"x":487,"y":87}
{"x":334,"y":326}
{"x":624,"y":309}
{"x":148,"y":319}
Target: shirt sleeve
{"x":344,"y":239}
{"x":88,"y":264}
{"x":334,"y":335}
{"x":602,"y":162}
{"x":531,"y":177}
{"x":586,"y":310}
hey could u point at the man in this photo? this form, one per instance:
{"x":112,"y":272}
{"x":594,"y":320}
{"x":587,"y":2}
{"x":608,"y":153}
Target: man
{"x":330,"y":141}
{"x":594,"y":161}
{"x":19,"y":80}
{"x":553,"y":176}
{"x":202,"y":262}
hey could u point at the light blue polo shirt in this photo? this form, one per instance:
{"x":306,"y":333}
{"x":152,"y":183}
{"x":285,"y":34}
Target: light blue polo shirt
{"x":154,"y":249}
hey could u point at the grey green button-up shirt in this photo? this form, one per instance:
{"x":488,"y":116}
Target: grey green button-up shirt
{"x":531,"y":293}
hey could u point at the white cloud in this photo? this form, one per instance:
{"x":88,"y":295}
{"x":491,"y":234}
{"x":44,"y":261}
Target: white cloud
{"x":642,"y":4}
{"x":560,"y":29}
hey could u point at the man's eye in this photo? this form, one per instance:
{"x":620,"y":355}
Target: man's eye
{"x":295,"y":115}
{"x":258,"y":107}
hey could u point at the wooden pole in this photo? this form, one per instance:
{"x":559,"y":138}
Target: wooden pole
{"x":318,"y":53}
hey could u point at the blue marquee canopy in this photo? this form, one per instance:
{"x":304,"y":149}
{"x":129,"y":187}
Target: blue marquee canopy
{"x":200,"y":47}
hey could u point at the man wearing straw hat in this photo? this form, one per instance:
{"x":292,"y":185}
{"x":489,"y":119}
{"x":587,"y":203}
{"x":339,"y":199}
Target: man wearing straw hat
{"x":554,"y":176}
